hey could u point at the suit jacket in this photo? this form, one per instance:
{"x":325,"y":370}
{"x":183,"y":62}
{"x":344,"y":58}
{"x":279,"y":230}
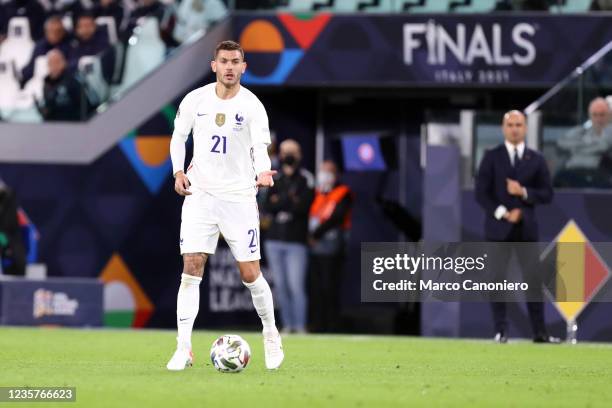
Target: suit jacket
{"x":531,"y":172}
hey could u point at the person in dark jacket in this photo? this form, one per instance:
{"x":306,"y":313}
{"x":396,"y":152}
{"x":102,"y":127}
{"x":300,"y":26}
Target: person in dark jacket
{"x":329,"y":224}
{"x":12,"y":250}
{"x":55,"y":37}
{"x":64,"y":93}
{"x":88,"y":41}
{"x":286,"y":251}
{"x":110,"y":8}
{"x":512,"y":180}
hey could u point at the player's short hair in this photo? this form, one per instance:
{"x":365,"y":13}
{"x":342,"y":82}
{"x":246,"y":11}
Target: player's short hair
{"x":229,"y":46}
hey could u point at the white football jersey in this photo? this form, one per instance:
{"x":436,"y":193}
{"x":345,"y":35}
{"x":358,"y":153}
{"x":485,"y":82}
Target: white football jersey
{"x":224,"y":131}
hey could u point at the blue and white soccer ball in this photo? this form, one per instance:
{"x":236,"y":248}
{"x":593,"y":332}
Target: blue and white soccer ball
{"x":230,"y":353}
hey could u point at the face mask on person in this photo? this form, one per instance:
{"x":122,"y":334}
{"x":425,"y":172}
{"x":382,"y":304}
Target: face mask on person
{"x":289,"y":160}
{"x":325,"y":181}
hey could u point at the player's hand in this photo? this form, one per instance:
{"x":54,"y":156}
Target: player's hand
{"x":181,"y":184}
{"x":264,"y":179}
{"x":514,"y":216}
{"x":514,"y":187}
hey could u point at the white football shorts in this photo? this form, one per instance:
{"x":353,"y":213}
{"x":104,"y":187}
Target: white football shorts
{"x":204,"y":216}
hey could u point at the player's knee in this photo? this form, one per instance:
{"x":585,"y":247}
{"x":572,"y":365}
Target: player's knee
{"x":249,"y":271}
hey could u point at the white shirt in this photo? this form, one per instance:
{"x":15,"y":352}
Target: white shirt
{"x":510,"y":148}
{"x":226,"y":133}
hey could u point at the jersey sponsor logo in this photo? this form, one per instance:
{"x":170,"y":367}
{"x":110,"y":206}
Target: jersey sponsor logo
{"x":220,"y":119}
{"x":201,"y":114}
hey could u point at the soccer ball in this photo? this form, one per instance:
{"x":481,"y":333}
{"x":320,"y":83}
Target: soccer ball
{"x":230,"y":353}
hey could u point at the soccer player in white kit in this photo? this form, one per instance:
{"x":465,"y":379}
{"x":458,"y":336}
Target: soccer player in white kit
{"x":230,"y":160}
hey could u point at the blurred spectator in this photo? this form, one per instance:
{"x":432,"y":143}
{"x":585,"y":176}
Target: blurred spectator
{"x":64,"y":94}
{"x":587,"y":144}
{"x":601,"y":5}
{"x":286,"y":251}
{"x":12,"y":250}
{"x":71,"y":8}
{"x":197,"y":15}
{"x":164,"y":16}
{"x":586,"y":147}
{"x":55,"y":37}
{"x":88,"y":40}
{"x":329,"y":224}
{"x":110,"y":8}
{"x":23,"y":8}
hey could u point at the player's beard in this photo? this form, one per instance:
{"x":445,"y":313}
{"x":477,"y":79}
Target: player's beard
{"x":229,"y":83}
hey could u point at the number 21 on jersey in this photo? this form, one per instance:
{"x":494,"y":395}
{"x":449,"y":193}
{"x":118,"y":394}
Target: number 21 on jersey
{"x":219,"y":140}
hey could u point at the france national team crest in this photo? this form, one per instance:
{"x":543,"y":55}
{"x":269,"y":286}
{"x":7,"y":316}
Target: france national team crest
{"x":239,"y":121}
{"x":220,"y":119}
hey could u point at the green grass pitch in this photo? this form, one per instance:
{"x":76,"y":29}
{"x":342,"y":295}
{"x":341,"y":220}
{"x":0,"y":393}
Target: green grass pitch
{"x":115,"y":368}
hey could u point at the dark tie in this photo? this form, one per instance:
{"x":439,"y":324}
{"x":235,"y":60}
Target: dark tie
{"x":515,"y":158}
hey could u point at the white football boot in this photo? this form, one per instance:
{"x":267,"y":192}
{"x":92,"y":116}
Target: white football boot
{"x":273,"y":348}
{"x":181,"y":359}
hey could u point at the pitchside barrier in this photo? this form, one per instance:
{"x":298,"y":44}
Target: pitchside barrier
{"x":54,"y":301}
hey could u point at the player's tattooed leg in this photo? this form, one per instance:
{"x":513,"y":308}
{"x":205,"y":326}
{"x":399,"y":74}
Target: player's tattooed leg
{"x":193,"y":264}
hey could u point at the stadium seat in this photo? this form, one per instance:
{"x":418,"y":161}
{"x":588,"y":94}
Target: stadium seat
{"x":9,"y":86}
{"x":108,"y":23}
{"x":572,"y":6}
{"x":24,"y":115}
{"x":424,"y":6}
{"x":472,"y":6}
{"x":15,"y":104}
{"x":18,"y":45}
{"x":67,"y":22}
{"x":144,"y":53}
{"x":91,"y":70}
{"x":35,"y":85}
{"x":191,"y":18}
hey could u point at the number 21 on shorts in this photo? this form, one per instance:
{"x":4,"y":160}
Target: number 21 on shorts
{"x":254,"y":240}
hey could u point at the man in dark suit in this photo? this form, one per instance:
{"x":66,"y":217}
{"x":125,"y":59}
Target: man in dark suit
{"x":512,"y":180}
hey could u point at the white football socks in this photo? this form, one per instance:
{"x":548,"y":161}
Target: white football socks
{"x":187,"y":306}
{"x":262,"y":300}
